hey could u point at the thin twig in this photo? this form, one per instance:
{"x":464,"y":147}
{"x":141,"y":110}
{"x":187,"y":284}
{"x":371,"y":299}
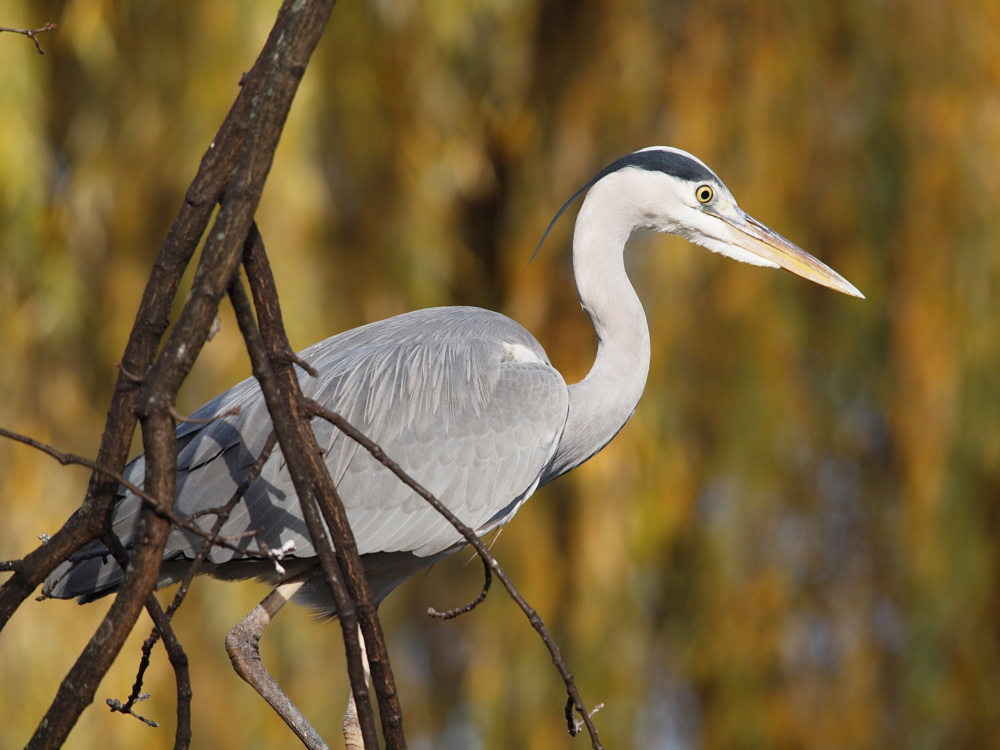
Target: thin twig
{"x":321,"y":507}
{"x":452,"y":613}
{"x":470,"y":536}
{"x":573,"y":722}
{"x":295,"y":359}
{"x":221,"y":518}
{"x":117,"y":706}
{"x":121,"y":555}
{"x":129,"y":376}
{"x":159,"y":507}
{"x":162,"y":621}
{"x":233,"y":412}
{"x":164,"y":631}
{"x":32,"y":34}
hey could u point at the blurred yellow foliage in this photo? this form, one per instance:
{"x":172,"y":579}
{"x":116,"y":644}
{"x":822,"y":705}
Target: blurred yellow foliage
{"x":793,"y":543}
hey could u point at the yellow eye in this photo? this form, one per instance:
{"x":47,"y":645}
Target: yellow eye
{"x":704,"y":193}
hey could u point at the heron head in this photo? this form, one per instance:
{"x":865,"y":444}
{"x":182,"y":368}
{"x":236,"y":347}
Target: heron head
{"x":669,"y":190}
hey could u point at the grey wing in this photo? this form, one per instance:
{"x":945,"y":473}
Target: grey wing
{"x":463,"y":399}
{"x":474,"y":421}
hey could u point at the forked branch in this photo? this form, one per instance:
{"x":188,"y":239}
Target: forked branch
{"x":231,"y":175}
{"x":32,"y":34}
{"x":269,"y":351}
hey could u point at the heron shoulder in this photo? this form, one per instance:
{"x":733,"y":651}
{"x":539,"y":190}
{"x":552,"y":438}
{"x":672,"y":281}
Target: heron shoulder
{"x":428,"y":326}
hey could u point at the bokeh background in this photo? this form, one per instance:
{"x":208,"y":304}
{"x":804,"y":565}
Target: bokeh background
{"x":793,"y":544}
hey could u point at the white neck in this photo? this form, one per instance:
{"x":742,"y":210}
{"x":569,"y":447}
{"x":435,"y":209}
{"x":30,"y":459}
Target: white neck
{"x":602,"y":402}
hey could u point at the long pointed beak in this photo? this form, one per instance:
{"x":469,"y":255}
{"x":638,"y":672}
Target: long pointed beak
{"x":756,"y":238}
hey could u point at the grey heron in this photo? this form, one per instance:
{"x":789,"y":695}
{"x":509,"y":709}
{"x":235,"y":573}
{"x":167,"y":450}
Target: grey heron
{"x":464,"y":399}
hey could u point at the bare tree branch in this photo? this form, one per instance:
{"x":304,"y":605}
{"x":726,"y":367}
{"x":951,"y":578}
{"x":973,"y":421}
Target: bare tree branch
{"x":484,"y":553}
{"x":453,"y":613}
{"x":341,"y":565}
{"x":211,"y":538}
{"x":162,"y":620}
{"x":232,"y":174}
{"x":191,"y":420}
{"x":32,"y":34}
{"x":178,"y":659}
{"x":222,"y":515}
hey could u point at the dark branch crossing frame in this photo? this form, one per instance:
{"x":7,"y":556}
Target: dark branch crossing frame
{"x":231,"y":177}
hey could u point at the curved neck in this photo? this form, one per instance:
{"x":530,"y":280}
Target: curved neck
{"x":601,"y":404}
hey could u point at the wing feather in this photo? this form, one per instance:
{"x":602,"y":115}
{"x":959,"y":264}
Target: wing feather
{"x":463,"y":399}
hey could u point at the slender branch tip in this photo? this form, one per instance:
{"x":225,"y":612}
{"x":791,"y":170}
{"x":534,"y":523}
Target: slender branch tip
{"x":32,"y":34}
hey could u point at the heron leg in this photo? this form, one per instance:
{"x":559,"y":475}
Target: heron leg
{"x":353,"y":739}
{"x":243,"y":646}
